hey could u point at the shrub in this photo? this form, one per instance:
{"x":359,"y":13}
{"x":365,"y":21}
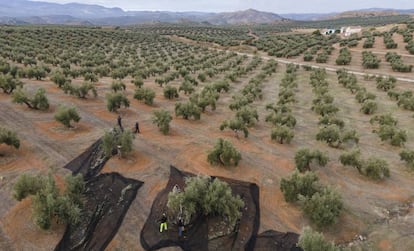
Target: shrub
{"x":352,"y":158}
{"x":408,"y":157}
{"x":282,"y":134}
{"x":304,"y":158}
{"x":48,"y":203}
{"x":369,"y":107}
{"x":391,"y":133}
{"x":344,"y":57}
{"x":224,"y":153}
{"x":112,"y":139}
{"x":188,"y":110}
{"x":138,"y":82}
{"x":81,"y":91}
{"x":187,"y":87}
{"x":115,"y":101}
{"x":145,"y":94}
{"x":170,"y":92}
{"x":38,"y":102}
{"x":370,"y":60}
{"x":235,"y":125}
{"x":66,"y":114}
{"x":334,"y":136}
{"x":59,"y":78}
{"x":323,"y":208}
{"x":311,"y":240}
{"x":299,"y":184}
{"x":118,"y":86}
{"x":247,"y":115}
{"x":376,"y":169}
{"x":206,"y":196}
{"x":9,"y":84}
{"x":162,"y":119}
{"x":9,"y":138}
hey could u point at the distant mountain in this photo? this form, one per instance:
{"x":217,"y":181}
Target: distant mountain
{"x":363,"y":13}
{"x":249,"y":16}
{"x":37,"y":12}
{"x":347,"y":14}
{"x":24,"y":8}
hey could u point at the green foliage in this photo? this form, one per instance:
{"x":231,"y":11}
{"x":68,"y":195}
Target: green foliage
{"x":162,"y":119}
{"x":247,"y":115}
{"x":48,"y":203}
{"x":376,"y":169}
{"x":306,"y":185}
{"x":334,"y":136}
{"x":118,"y":86}
{"x":206,"y":196}
{"x":224,"y":153}
{"x":311,"y":240}
{"x":384,"y":119}
{"x":138,"y":82}
{"x":81,"y":91}
{"x":362,"y":95}
{"x":331,"y":120}
{"x":323,"y":208}
{"x":66,"y":114}
{"x":344,"y":57}
{"x":9,"y":138}
{"x":145,"y":94}
{"x":9,"y":84}
{"x":235,"y":125}
{"x":89,"y":76}
{"x":112,"y":139}
{"x":369,"y":107}
{"x":170,"y":92}
{"x":187,"y":87}
{"x":370,"y":60}
{"x":395,"y":136}
{"x":386,"y":84}
{"x":408,"y":157}
{"x":59,"y":78}
{"x":114,"y":101}
{"x":188,"y":110}
{"x":352,"y":158}
{"x":238,"y":101}
{"x":283,"y":134}
{"x":322,"y":57}
{"x":304,"y":157}
{"x":38,"y":101}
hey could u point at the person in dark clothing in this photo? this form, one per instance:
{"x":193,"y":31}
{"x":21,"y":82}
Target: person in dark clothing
{"x":120,"y":122}
{"x":137,"y":127}
{"x":180,"y":224}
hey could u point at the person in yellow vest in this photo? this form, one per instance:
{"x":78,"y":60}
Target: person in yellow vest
{"x":163,"y":223}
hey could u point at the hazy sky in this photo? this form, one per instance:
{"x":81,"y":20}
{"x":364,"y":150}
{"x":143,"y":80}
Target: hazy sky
{"x":276,"y":6}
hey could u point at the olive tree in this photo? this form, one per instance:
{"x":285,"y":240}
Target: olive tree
{"x":145,"y":94}
{"x":188,"y":110}
{"x":297,"y":184}
{"x":311,"y":240}
{"x":235,"y":125}
{"x":205,"y":196}
{"x":9,"y":84}
{"x":408,"y":157}
{"x":9,"y":138}
{"x":323,"y":208}
{"x":65,"y":115}
{"x":304,"y":158}
{"x":118,"y":86}
{"x":170,"y":92}
{"x":38,"y":101}
{"x":48,"y":202}
{"x":224,"y":153}
{"x":283,"y":134}
{"x":112,"y":139}
{"x":162,"y":119}
{"x":115,"y":101}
